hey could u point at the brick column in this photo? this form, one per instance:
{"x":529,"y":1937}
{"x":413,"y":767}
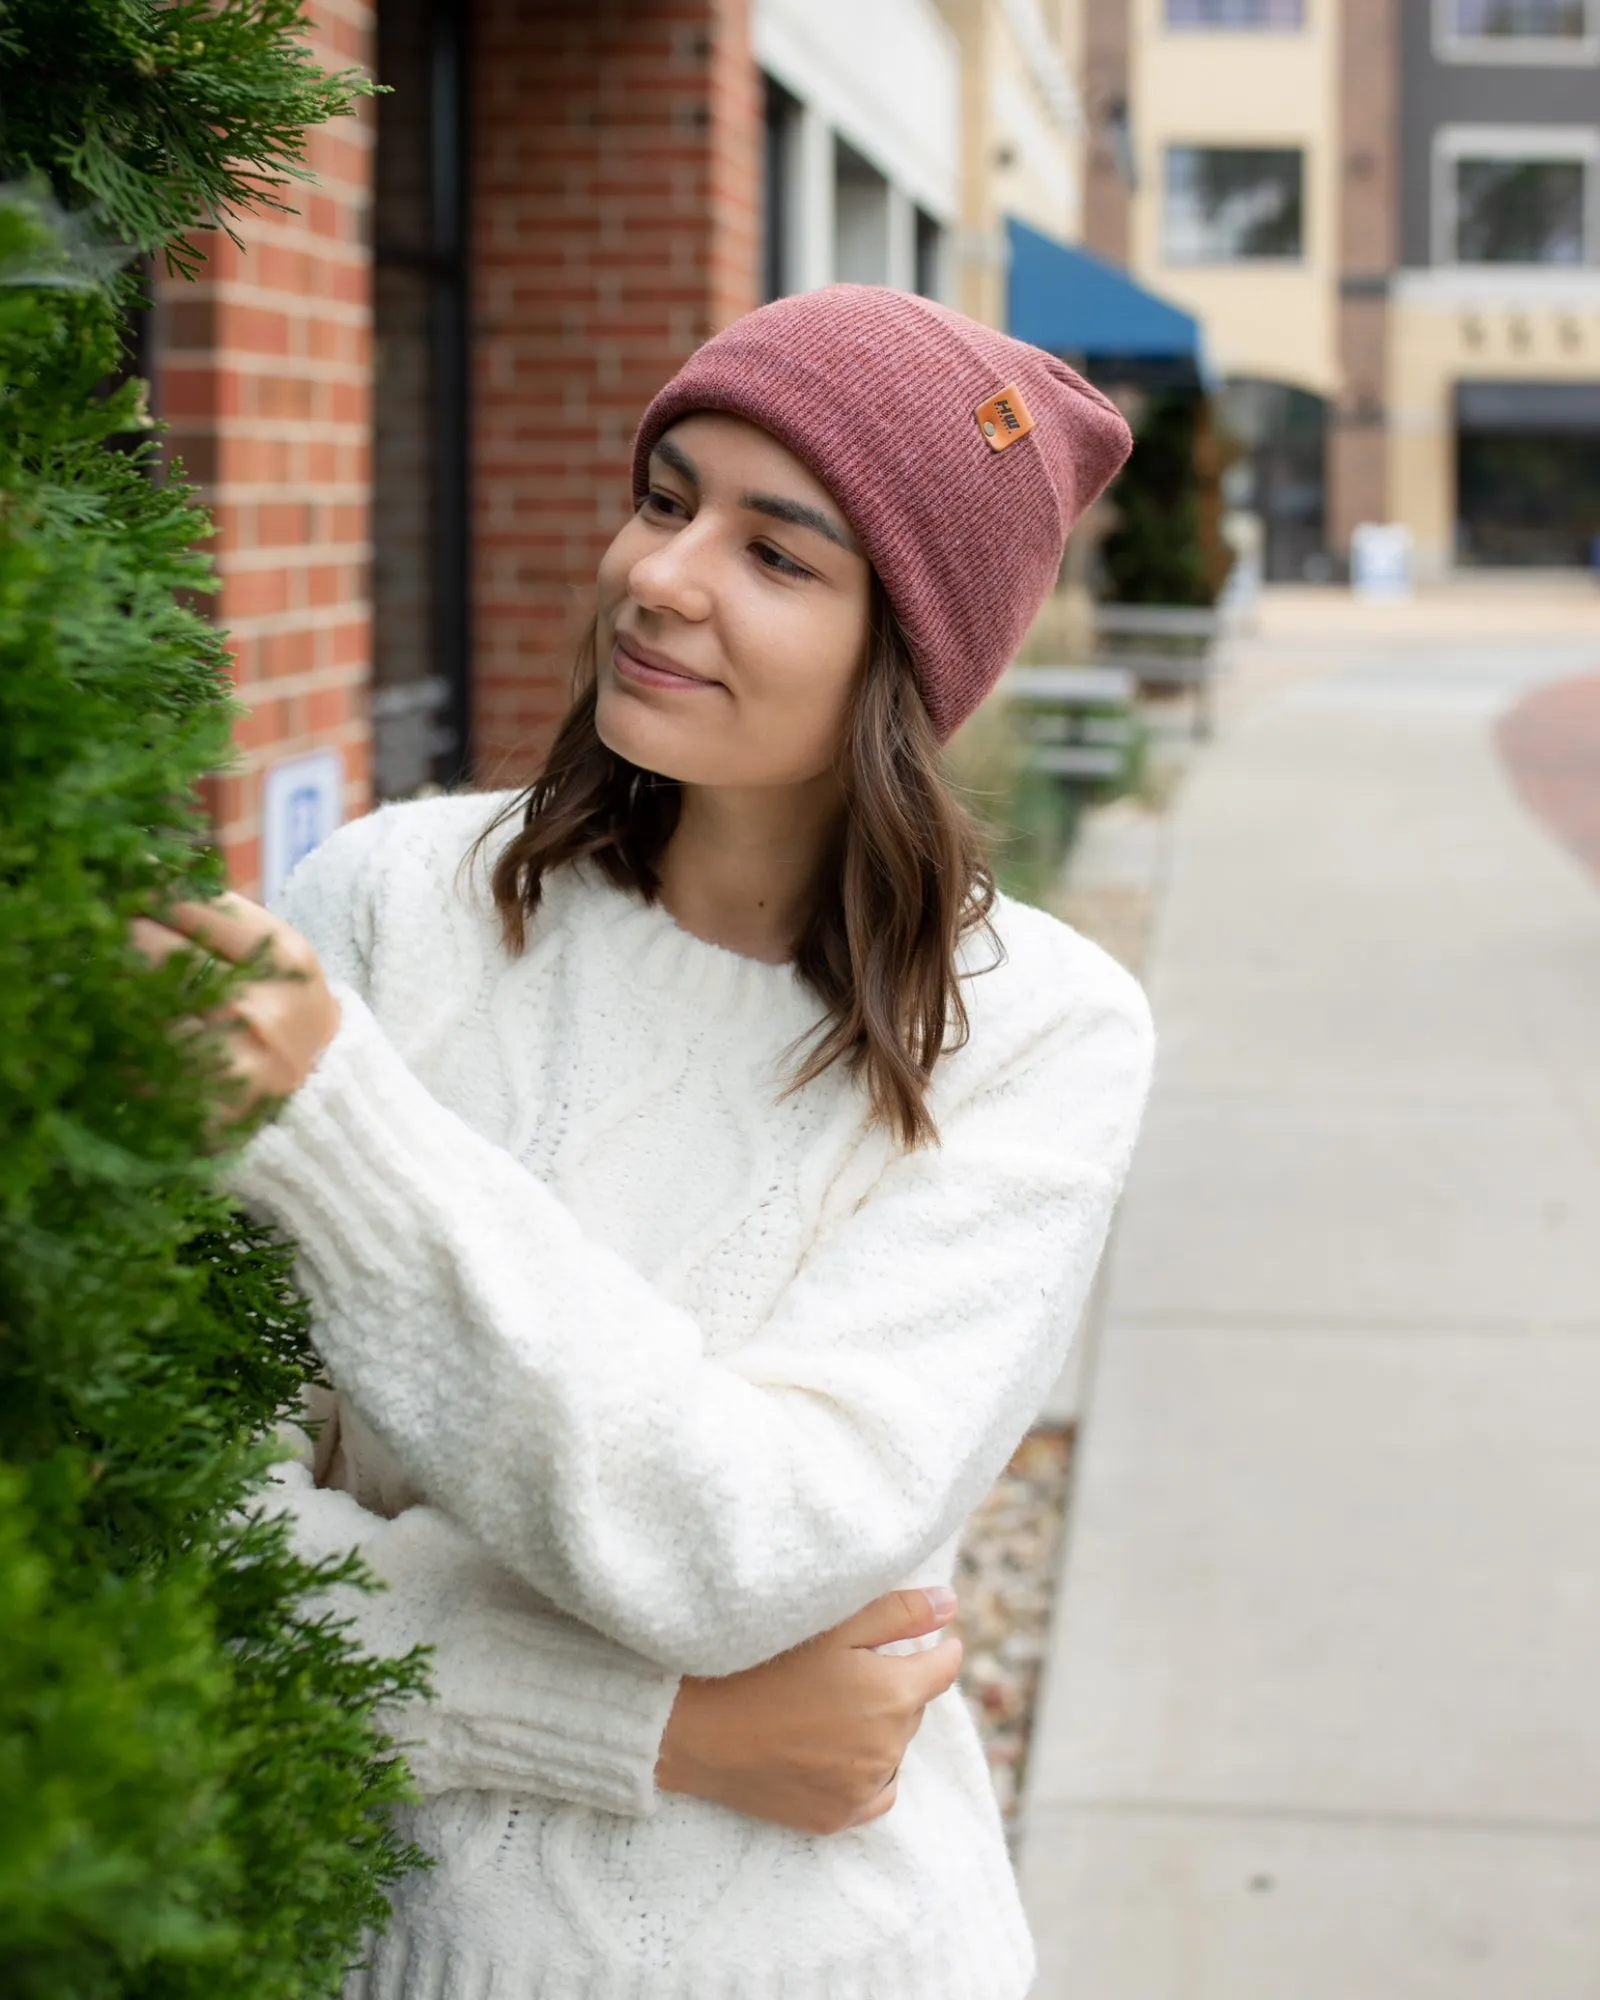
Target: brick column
{"x":616,"y":224}
{"x":263,"y":377}
{"x":1106,"y":87}
{"x":1369,"y":93}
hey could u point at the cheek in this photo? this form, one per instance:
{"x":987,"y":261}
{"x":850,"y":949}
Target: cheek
{"x":611,"y":579}
{"x":795,"y":694}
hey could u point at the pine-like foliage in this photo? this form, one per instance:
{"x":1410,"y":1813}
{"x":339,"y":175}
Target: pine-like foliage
{"x":193,"y":1797}
{"x":1161,"y":552}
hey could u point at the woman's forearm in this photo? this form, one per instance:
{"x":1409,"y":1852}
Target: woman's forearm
{"x":814,"y":1739}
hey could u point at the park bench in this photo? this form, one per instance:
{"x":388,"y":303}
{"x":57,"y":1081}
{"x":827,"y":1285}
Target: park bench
{"x":1067,"y":729}
{"x":1162,"y":645}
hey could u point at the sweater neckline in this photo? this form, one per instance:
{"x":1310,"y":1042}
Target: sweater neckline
{"x":693,"y":938}
{"x":658,"y":948}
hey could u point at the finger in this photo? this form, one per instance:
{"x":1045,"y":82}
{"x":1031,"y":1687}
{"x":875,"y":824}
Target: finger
{"x":934,"y":1671}
{"x":901,"y":1614}
{"x":213,"y":1022}
{"x":157,"y":941}
{"x":231,"y":926}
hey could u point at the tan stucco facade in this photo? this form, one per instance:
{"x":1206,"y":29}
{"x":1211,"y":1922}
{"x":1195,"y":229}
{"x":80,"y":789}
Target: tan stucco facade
{"x":1021,"y":137}
{"x":1449,"y":326}
{"x":1266,"y":319}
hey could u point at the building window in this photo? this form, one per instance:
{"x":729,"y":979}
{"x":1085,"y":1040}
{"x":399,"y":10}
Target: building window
{"x":421,"y":602}
{"x":1527,"y":471}
{"x":1519,"y":211}
{"x":1281,"y":475}
{"x":778,"y":188}
{"x":1516,"y":197}
{"x":1500,"y":31}
{"x":861,"y":219}
{"x":929,"y":257}
{"x":1233,"y":204}
{"x":1236,"y":13}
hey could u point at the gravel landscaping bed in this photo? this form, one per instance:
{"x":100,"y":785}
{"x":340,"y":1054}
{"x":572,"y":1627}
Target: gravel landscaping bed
{"x":1005,"y":1579}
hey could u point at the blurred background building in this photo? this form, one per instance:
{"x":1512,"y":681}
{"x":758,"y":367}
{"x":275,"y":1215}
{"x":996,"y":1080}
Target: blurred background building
{"x":1387,"y":218}
{"x":1493,"y":321}
{"x":1364,"y":238}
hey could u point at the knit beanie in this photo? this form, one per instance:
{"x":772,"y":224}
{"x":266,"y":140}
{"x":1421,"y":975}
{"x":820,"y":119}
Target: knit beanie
{"x":960,"y":457}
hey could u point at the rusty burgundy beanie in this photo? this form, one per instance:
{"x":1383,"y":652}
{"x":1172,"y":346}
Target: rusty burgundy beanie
{"x":960,"y":457}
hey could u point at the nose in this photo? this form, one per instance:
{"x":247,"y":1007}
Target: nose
{"x":674,"y":575}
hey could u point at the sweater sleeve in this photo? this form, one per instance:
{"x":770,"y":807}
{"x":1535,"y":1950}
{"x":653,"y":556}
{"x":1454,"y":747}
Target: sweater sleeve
{"x":523,"y":1699}
{"x":705,"y":1512}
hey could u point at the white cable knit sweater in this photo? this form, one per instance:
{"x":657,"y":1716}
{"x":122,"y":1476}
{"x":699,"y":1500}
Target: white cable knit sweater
{"x":646,"y":1369}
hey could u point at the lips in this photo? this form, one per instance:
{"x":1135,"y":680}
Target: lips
{"x":645,"y":667}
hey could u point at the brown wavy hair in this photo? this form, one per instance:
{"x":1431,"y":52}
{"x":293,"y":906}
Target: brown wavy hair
{"x":907,"y":878}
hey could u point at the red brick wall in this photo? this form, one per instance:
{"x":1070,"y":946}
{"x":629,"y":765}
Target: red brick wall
{"x":616,"y":221}
{"x":263,"y":377}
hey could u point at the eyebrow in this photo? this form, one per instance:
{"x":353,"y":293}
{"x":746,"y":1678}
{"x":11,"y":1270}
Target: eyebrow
{"x":798,"y":513}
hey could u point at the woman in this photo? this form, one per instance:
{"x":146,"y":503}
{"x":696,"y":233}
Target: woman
{"x":696,"y":1197}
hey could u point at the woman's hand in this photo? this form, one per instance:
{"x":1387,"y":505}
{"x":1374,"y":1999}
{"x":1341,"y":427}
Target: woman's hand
{"x":814,"y":1738}
{"x":277,"y":1025}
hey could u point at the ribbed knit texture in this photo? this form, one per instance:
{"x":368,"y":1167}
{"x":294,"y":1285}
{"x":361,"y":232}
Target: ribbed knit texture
{"x":877,"y":392}
{"x":524,"y":1698}
{"x":657,"y":1370}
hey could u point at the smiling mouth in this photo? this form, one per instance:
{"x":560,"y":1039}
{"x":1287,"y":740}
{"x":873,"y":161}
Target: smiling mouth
{"x":648,"y":670}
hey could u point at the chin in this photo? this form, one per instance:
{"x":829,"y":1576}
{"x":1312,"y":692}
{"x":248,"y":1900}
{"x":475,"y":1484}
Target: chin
{"x":630,"y":730}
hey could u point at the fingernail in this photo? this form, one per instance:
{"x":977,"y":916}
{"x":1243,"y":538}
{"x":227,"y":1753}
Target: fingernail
{"x":941,"y":1601}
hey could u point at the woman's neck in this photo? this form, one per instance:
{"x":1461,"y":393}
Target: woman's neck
{"x":741,"y":867}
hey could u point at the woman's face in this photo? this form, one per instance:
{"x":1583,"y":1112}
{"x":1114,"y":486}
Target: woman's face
{"x":733,"y":614}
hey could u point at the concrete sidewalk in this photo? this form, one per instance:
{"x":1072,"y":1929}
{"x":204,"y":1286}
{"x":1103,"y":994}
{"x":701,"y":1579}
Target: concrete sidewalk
{"x":1322,"y":1714}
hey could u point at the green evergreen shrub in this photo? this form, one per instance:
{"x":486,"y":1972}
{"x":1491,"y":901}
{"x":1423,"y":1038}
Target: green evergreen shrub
{"x":193,"y":1796}
{"x":1167,"y":546}
{"x":1153,"y":555}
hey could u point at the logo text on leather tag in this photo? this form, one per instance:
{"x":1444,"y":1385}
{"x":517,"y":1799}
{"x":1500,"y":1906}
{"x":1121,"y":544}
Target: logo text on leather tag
{"x":1004,"y":418}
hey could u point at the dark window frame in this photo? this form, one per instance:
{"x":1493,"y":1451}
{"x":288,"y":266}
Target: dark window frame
{"x":1509,"y":147}
{"x":1247,"y":17}
{"x":1198,"y":149}
{"x":443,"y":259}
{"x":780,"y":111}
{"x":1482,"y":220}
{"x":1455,"y":42}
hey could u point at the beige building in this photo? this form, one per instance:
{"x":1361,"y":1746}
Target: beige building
{"x":1476,"y":359}
{"x":1202,"y":103}
{"x":1492,"y":368}
{"x":1214,"y":176}
{"x":1386,"y":214}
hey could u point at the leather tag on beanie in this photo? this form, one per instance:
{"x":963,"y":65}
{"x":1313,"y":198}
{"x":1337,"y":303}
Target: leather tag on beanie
{"x":1004,"y":418}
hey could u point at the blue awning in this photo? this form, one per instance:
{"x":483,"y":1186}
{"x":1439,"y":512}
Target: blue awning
{"x":1076,"y":305}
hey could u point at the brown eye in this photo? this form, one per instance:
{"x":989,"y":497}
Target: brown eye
{"x":775,"y":559}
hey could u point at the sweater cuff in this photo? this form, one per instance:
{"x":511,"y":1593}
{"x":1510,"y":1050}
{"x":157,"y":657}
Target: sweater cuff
{"x":333,"y":1169}
{"x":570,"y":1716}
{"x":523,"y":1698}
